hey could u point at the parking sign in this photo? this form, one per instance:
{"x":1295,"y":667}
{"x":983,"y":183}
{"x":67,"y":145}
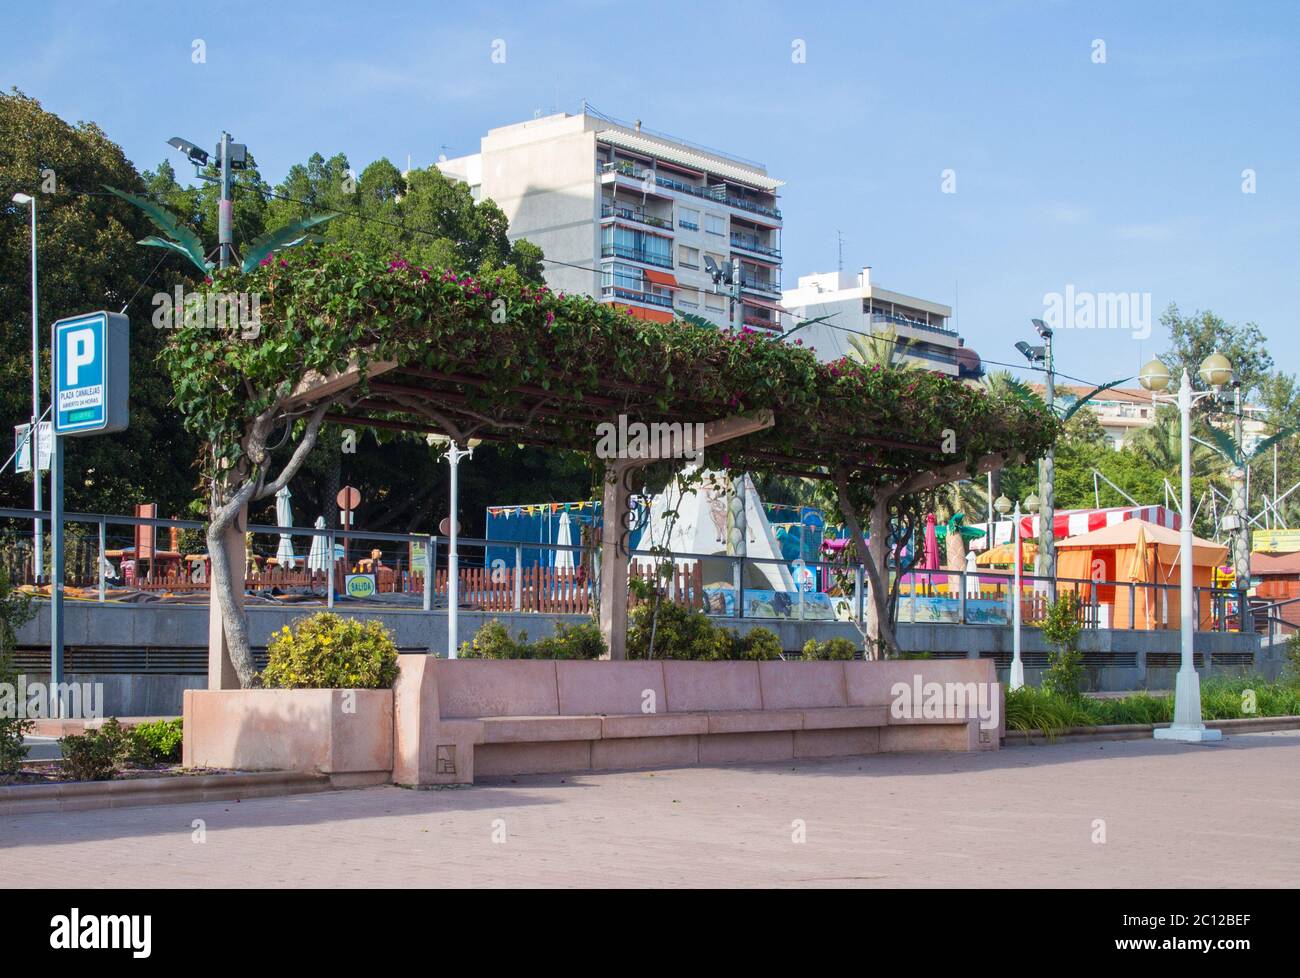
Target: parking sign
{"x":92,"y":374}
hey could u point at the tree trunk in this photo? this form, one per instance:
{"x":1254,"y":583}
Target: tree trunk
{"x":224,"y":536}
{"x":879,"y":630}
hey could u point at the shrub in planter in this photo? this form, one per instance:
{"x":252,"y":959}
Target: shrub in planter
{"x":679,"y":633}
{"x":328,"y":651}
{"x":156,"y":742}
{"x":759,"y":643}
{"x":493,"y":641}
{"x":582,"y":641}
{"x":98,"y":754}
{"x":832,"y":648}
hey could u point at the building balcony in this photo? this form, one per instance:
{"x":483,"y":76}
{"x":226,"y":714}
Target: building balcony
{"x":759,"y":285}
{"x":749,"y":243}
{"x":886,"y":320}
{"x":618,"y":293}
{"x":638,"y":217}
{"x":636,"y":254}
{"x":719,"y":194}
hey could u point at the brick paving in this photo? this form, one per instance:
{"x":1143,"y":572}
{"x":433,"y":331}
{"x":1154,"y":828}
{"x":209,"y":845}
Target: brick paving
{"x":1175,"y":815}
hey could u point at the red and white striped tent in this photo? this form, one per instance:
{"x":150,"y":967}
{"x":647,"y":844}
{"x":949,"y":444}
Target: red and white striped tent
{"x":1073,"y":522}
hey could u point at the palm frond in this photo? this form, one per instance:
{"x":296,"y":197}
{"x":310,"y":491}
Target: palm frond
{"x":1273,"y":439}
{"x":1073,"y":408}
{"x":1224,"y":444}
{"x":293,"y":233}
{"x":184,"y":239}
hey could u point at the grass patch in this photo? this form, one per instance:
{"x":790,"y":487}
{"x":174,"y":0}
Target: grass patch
{"x":1030,"y":709}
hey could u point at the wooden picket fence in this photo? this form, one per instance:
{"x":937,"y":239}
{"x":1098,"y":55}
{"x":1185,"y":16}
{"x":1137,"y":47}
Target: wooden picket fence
{"x":684,"y":586}
{"x":542,"y":589}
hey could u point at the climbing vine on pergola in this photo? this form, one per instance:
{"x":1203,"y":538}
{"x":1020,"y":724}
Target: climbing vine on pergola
{"x":379,"y":342}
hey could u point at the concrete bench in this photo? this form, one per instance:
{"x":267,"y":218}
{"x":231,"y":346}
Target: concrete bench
{"x":455,"y":720}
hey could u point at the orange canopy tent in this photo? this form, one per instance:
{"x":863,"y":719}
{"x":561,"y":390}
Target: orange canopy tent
{"x":1144,"y":554}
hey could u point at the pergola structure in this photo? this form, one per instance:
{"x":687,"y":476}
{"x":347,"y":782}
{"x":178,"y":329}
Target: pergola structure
{"x":357,"y":341}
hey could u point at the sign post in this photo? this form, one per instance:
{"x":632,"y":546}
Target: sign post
{"x":91,"y":366}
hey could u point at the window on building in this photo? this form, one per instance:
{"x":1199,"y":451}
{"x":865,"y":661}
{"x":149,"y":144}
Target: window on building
{"x":688,"y":257}
{"x":714,"y":302}
{"x":714,"y":224}
{"x":688,"y":218}
{"x":688,"y":298}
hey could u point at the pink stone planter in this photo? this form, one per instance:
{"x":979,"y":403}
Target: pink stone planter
{"x":457,"y":719}
{"x":345,"y":733}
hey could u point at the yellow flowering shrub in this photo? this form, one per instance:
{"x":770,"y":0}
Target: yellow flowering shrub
{"x":328,"y":651}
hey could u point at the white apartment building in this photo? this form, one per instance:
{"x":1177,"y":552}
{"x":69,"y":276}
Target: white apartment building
{"x":855,"y":306}
{"x":1123,"y":411}
{"x":634,"y":214}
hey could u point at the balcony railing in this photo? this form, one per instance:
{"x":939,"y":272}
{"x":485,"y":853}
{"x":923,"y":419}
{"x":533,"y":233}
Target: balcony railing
{"x":628,"y":214}
{"x":635,"y":295}
{"x":718,"y":193}
{"x":890,"y":319}
{"x":636,"y":254}
{"x":755,"y":284}
{"x":750,"y":243}
{"x":688,"y":225}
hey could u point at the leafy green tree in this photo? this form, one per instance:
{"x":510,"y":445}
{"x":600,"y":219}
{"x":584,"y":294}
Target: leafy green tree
{"x":1193,"y":338}
{"x":88,"y":261}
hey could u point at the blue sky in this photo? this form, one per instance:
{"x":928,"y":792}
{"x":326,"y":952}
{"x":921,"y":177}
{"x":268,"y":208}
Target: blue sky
{"x":1124,"y":176}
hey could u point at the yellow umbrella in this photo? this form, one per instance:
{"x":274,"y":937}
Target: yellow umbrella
{"x":1138,"y":569}
{"x":1006,"y":554}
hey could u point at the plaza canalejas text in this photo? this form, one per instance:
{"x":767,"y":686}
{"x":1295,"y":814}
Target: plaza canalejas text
{"x":353,"y":338}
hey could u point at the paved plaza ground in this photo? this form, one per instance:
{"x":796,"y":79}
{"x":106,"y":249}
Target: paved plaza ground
{"x":1172,"y":815}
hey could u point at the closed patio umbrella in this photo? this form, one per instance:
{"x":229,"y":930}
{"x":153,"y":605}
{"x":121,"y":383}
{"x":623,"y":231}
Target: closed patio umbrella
{"x":284,"y":554}
{"x":317,"y":559}
{"x":564,"y":558}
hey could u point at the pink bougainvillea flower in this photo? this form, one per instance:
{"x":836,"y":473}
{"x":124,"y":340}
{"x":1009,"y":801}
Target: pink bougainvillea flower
{"x":266,"y":261}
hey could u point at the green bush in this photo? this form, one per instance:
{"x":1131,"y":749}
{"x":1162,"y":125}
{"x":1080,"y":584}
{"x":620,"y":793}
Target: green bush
{"x":581,"y":641}
{"x":1291,"y":669}
{"x":493,"y":641}
{"x":98,"y":754}
{"x":760,"y":643}
{"x":327,"y":651}
{"x":1060,"y":626}
{"x":156,"y":742}
{"x":832,"y":648}
{"x":15,"y":609}
{"x":680,"y":633}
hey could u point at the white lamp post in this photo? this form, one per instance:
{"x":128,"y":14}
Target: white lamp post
{"x":1215,"y":371}
{"x":1017,"y":665}
{"x":34,"y":433}
{"x":454,"y":454}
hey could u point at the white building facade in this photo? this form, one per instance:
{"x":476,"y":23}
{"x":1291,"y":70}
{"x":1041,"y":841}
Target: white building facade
{"x":852,"y":305}
{"x":629,"y":216}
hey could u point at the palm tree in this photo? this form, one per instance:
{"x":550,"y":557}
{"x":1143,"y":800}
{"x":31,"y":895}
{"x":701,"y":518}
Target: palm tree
{"x":884,"y":349}
{"x":1160,"y":445}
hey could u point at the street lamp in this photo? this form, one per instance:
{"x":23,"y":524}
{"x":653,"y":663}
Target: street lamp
{"x":1047,"y":465}
{"x":1017,"y":665}
{"x":454,"y":454}
{"x":34,"y":432}
{"x":230,"y":157}
{"x":1155,"y":377}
